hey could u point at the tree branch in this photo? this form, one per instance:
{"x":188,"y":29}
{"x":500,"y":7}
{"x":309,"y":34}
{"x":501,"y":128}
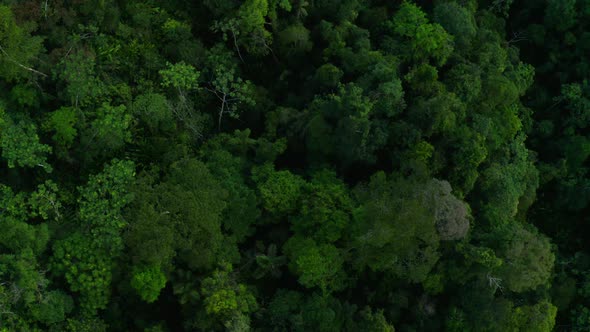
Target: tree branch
{"x":20,"y":64}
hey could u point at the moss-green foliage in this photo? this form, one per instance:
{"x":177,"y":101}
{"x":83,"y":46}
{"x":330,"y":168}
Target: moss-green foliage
{"x":20,"y":143}
{"x":421,"y":39}
{"x":148,"y":282}
{"x":87,"y":269}
{"x":226,"y":300}
{"x":280,"y":190}
{"x":316,"y":265}
{"x":62,"y":122}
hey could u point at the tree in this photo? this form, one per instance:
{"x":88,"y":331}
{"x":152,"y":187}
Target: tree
{"x":13,"y":205}
{"x":53,"y":308}
{"x":85,"y":257}
{"x":440,"y":114}
{"x":279,"y":190}
{"x":328,"y":76}
{"x":224,"y":298}
{"x":283,"y":308}
{"x":85,"y":324}
{"x":186,"y":209}
{"x":502,"y":7}
{"x":457,"y":20}
{"x":467,"y":152}
{"x":101,"y":201}
{"x":154,"y":111}
{"x":44,"y":201}
{"x":424,"y":40}
{"x":505,"y":184}
{"x":109,"y":131}
{"x":21,"y":145}
{"x":560,"y":15}
{"x":63,"y":123}
{"x":486,"y":313}
{"x":322,"y":313}
{"x":82,"y":86}
{"x":340,"y":128}
{"x":395,"y":228}
{"x":317,"y":265}
{"x":195,"y":201}
{"x":374,"y":321}
{"x":326,"y":209}
{"x":86,"y":267}
{"x":232,"y":92}
{"x":148,"y":282}
{"x":17,"y":48}
{"x":26,"y":301}
{"x":180,"y":76}
{"x":242,"y":211}
{"x":465,"y":81}
{"x":451,"y":214}
{"x":149,"y":236}
{"x":538,"y":317}
{"x":246,"y":27}
{"x":26,"y":298}
{"x":294,"y":41}
{"x":580,"y":318}
{"x":423,"y":81}
{"x":183,"y":79}
{"x":300,"y":312}
{"x":269,"y":263}
{"x":528,"y":258}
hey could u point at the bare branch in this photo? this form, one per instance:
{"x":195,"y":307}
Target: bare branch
{"x":20,"y":64}
{"x":236,"y":45}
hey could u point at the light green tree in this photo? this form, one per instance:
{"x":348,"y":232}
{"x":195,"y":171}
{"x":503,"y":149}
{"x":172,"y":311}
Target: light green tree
{"x":424,"y":40}
{"x":148,"y":282}
{"x":63,"y":123}
{"x":245,"y":27}
{"x":316,"y":265}
{"x":21,"y":145}
{"x":225,"y":298}
{"x":45,"y":202}
{"x":232,"y":92}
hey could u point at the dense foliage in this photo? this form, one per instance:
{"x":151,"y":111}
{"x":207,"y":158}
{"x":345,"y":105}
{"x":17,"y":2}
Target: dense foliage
{"x":293,"y":165}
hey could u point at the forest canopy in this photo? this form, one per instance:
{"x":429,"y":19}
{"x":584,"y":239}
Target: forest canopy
{"x":293,"y":165}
